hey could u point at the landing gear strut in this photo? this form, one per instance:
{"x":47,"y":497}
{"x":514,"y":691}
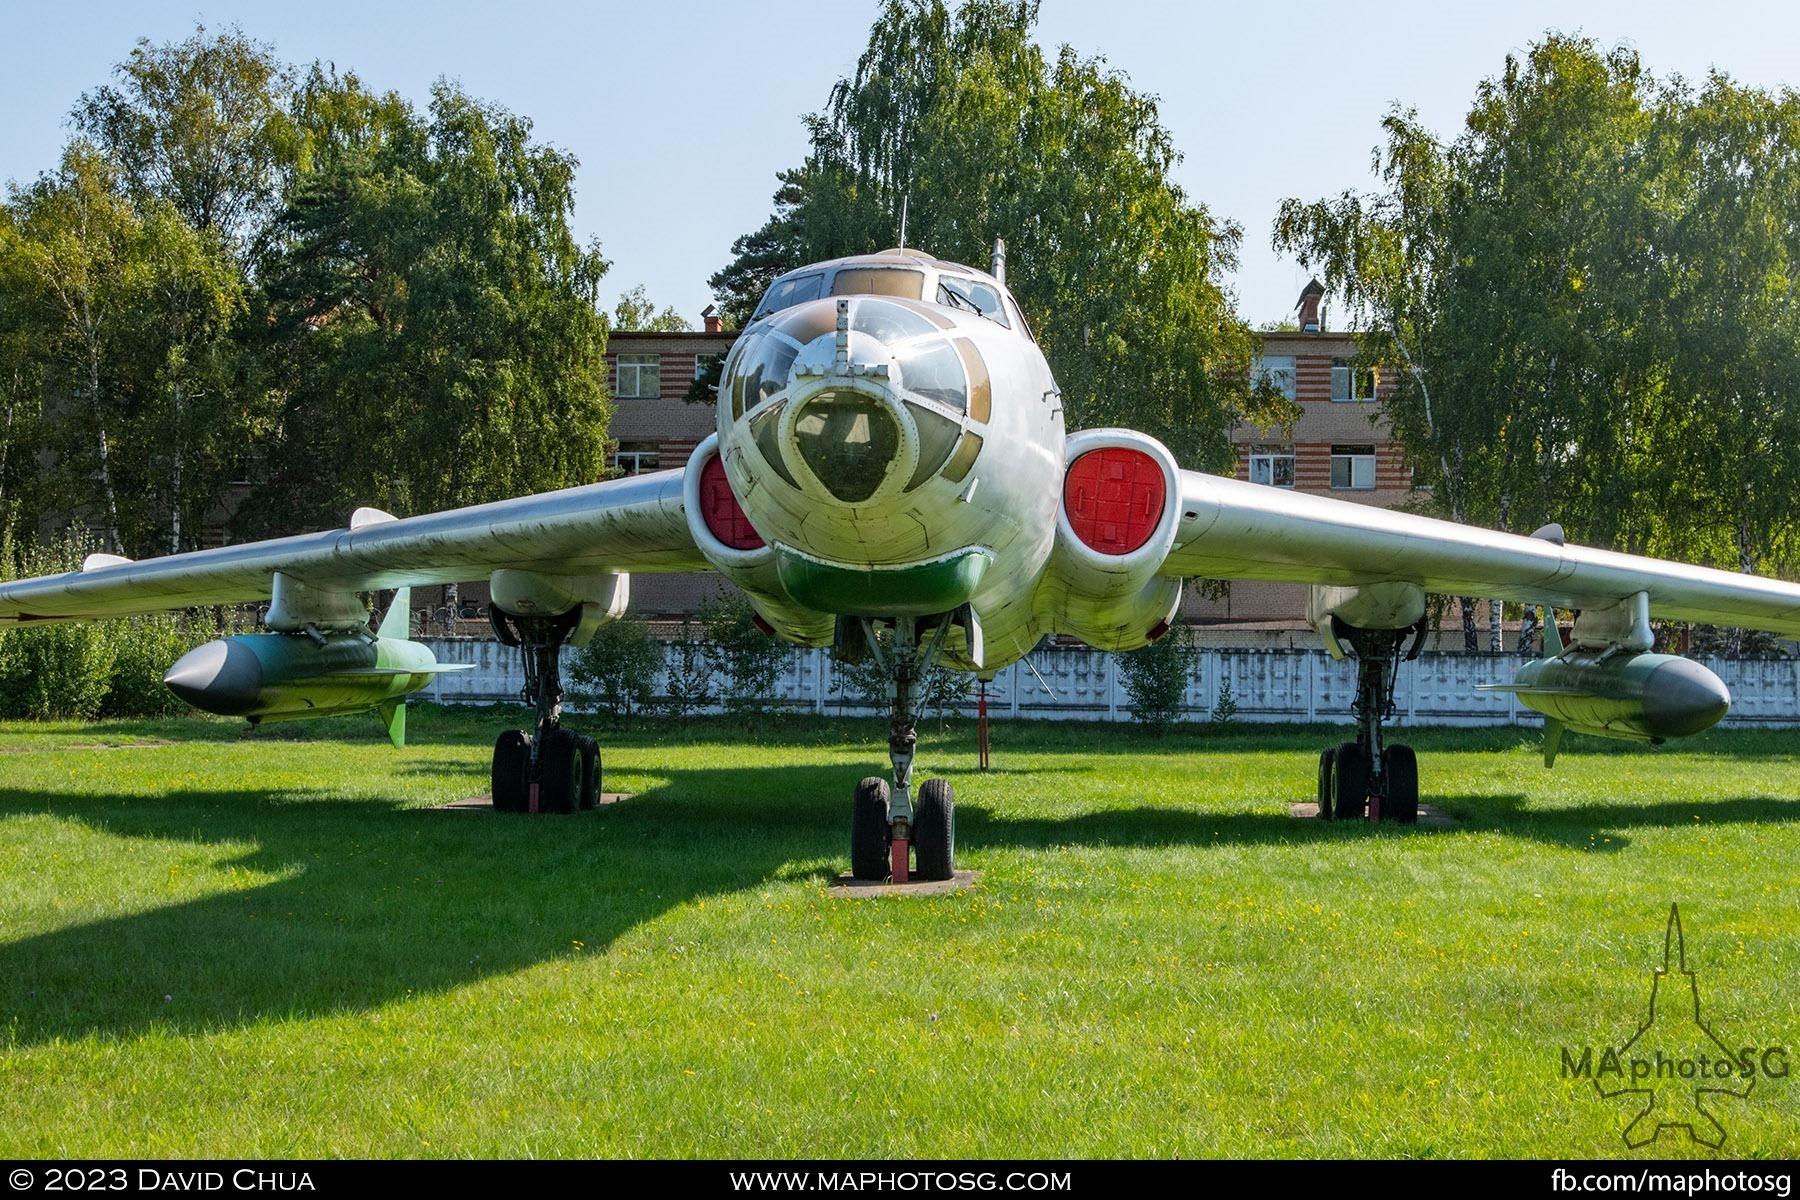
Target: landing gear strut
{"x":551,"y":769}
{"x":1367,"y":778}
{"x":886,"y":828}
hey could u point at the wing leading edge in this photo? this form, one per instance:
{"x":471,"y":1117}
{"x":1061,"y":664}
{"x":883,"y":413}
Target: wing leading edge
{"x":634,"y":524}
{"x":1231,"y":529}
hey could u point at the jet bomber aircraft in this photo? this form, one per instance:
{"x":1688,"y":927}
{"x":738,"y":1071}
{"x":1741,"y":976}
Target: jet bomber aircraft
{"x":891,"y":477}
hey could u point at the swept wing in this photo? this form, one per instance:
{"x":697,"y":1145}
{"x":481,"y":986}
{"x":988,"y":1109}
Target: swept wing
{"x":634,"y":524}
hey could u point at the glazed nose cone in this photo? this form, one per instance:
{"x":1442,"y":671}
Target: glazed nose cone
{"x":849,"y":440}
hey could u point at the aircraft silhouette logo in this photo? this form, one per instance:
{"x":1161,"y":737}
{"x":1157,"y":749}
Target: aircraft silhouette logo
{"x":1675,"y":1068}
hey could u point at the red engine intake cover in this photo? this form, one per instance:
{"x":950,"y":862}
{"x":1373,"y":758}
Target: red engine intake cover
{"x":720,"y":509}
{"x":1114,"y":498}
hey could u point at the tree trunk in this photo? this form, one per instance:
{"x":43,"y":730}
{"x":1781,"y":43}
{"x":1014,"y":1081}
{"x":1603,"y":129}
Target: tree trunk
{"x":1528,"y":633}
{"x":113,"y":543}
{"x":1468,"y":623}
{"x":1747,"y":560}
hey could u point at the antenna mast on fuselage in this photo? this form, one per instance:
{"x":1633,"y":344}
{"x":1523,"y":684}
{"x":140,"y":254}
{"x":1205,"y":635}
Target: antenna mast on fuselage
{"x":903,"y":200}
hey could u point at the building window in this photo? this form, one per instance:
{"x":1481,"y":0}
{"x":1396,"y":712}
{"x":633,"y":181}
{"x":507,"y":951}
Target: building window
{"x":1273,"y":465}
{"x":640,"y":376}
{"x":634,"y":458}
{"x":250,"y":469}
{"x":1351,"y":382}
{"x":1353,"y":467}
{"x":1277,"y":371}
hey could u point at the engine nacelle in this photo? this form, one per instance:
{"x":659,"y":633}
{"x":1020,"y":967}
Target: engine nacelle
{"x":738,"y":552}
{"x":1120,"y":507}
{"x":291,"y":676}
{"x":601,"y":598}
{"x":1389,"y":605}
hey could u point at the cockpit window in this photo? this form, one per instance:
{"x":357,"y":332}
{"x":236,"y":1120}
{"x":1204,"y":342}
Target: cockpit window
{"x":785,"y":293}
{"x":937,"y":437}
{"x":761,"y":372}
{"x":765,"y":431}
{"x":934,"y":370}
{"x":886,"y":322}
{"x":879,"y":281}
{"x":973,"y":296}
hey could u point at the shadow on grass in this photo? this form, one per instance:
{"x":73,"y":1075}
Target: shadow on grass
{"x":375,"y":902}
{"x":1601,"y":827}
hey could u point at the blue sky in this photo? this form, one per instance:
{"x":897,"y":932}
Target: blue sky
{"x":682,"y":113}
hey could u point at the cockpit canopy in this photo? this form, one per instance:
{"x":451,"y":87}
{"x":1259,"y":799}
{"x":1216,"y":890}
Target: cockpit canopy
{"x":907,"y":274}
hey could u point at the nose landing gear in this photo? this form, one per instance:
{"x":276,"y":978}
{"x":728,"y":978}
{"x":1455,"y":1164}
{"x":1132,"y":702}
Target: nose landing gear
{"x":890,"y":835}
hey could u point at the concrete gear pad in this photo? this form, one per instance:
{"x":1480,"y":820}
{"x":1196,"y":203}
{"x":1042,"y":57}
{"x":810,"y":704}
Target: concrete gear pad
{"x":485,"y":803}
{"x":1429,"y":816}
{"x":849,"y":888}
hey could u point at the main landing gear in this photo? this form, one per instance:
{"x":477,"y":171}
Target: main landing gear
{"x":551,"y":769}
{"x":1367,"y":778}
{"x":891,"y":834}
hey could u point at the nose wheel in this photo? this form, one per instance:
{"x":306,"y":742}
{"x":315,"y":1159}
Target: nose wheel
{"x":877,"y":852}
{"x":891,"y":835}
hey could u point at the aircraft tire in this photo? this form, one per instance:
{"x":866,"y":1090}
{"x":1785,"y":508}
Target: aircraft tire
{"x":1401,"y":767}
{"x":1350,"y":783}
{"x":559,"y":760}
{"x":512,"y":758}
{"x":869,"y":830}
{"x":1327,"y":758}
{"x":590,"y":772}
{"x":934,"y":830}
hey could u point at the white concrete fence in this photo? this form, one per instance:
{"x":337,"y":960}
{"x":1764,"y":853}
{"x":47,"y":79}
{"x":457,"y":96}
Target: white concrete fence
{"x":1266,"y":685}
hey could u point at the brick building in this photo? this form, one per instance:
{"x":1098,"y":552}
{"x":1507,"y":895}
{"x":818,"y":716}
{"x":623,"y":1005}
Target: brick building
{"x":656,"y":426}
{"x":654,"y":423}
{"x":1339,"y":447}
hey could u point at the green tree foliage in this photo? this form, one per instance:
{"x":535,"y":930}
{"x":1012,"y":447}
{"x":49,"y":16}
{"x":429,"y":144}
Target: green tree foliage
{"x":960,"y":117}
{"x":1590,"y":289}
{"x":200,"y":125}
{"x":750,"y":659}
{"x":760,"y":256}
{"x":617,"y":670}
{"x":80,"y":670}
{"x":122,"y":319}
{"x":1225,"y":708}
{"x":71,"y":264}
{"x":689,"y":685}
{"x":234,"y":262}
{"x":21,"y":404}
{"x":425,"y":293}
{"x":1155,"y":679}
{"x":1729,"y":454}
{"x":636,"y":313}
{"x":144,"y":648}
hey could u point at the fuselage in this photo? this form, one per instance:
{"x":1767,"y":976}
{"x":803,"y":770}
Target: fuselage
{"x":894,"y":434}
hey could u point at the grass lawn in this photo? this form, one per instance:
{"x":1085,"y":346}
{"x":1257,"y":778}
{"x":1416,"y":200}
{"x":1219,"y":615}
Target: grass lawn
{"x":221,"y":942}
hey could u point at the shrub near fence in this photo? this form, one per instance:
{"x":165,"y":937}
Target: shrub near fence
{"x":82,"y":670}
{"x":1265,"y":686}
